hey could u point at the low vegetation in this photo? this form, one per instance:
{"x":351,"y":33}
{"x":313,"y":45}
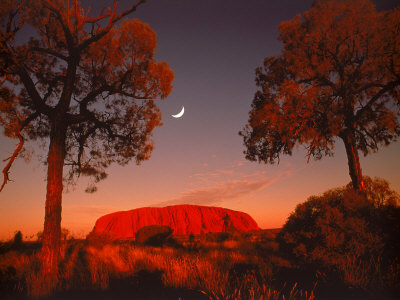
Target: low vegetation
{"x":198,"y":268}
{"x":154,"y":235}
{"x":352,"y":237}
{"x":338,"y":245}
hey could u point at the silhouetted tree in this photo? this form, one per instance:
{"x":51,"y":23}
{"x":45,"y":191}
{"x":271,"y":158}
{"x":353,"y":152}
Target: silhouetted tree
{"x":17,"y":242}
{"x":338,"y":75}
{"x":84,"y":83}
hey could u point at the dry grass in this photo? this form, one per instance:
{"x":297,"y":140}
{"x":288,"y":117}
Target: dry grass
{"x":368,"y":275}
{"x":220,"y":274}
{"x":223,"y":273}
{"x":230,"y":269}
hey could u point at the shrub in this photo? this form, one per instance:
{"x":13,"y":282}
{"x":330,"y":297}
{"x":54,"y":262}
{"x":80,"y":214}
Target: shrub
{"x":193,"y":244}
{"x":341,"y":224}
{"x":217,"y":237}
{"x":99,"y":240}
{"x":17,"y":242}
{"x":153,"y":235}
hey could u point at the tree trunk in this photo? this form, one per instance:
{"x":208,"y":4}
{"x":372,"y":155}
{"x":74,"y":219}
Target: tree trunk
{"x":52,"y":219}
{"x":353,"y":160}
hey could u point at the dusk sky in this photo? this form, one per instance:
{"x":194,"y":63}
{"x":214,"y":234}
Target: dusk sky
{"x":213,"y":47}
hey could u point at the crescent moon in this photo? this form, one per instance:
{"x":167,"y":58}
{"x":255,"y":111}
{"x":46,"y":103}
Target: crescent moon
{"x":180,"y":114}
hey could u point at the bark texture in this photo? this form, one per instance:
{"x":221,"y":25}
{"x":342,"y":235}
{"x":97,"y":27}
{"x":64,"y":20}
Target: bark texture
{"x":52,"y":219}
{"x":353,"y":160}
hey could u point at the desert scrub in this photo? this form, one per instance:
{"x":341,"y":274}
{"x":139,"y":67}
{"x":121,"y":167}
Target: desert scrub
{"x":19,"y":274}
{"x":221,"y":274}
{"x":218,"y":273}
{"x":349,"y":236}
{"x":12,"y":270}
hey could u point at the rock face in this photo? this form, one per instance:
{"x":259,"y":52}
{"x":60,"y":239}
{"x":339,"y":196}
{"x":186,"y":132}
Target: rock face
{"x":183,"y":219}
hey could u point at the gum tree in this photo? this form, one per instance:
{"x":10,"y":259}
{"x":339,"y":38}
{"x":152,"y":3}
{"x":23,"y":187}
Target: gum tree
{"x":86,"y":84}
{"x":338,"y":76}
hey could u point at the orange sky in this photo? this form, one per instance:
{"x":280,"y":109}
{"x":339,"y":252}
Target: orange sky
{"x":268,"y":193}
{"x":213,"y":48}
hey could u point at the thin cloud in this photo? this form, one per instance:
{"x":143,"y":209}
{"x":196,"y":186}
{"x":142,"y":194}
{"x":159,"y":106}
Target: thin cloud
{"x":256,"y":174}
{"x":225,"y":172}
{"x":87,"y":210}
{"x":223,"y":191}
{"x":80,"y":219}
{"x":223,"y":175}
{"x":215,"y":174}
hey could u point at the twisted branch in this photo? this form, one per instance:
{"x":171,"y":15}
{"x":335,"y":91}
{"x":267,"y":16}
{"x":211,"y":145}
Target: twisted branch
{"x":18,"y":128}
{"x":11,"y":160}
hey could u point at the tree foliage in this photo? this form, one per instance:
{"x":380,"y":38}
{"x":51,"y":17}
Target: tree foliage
{"x":102,"y":79}
{"x":338,"y":75}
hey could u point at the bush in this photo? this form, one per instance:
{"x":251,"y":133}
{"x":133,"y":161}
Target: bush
{"x":341,"y":224}
{"x":153,"y":235}
{"x":99,"y":240}
{"x":18,"y":238}
{"x":217,"y":237}
{"x":17,"y":242}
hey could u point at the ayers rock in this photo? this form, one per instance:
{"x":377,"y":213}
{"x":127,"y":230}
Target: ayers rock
{"x":183,"y":219}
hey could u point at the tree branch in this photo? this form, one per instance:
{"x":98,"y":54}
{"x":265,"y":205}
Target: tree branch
{"x":51,"y":52}
{"x":113,"y":20}
{"x":38,"y":102}
{"x":67,"y":33}
{"x":82,"y":140}
{"x":128,"y":11}
{"x":91,"y":96}
{"x":391,"y":85}
{"x":51,"y":85}
{"x":11,"y":160}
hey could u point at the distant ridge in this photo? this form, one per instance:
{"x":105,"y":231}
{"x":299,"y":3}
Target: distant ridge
{"x":183,"y":219}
